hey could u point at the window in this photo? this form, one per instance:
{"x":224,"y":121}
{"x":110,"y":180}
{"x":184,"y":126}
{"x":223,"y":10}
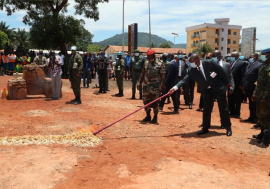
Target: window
{"x":221,"y":48}
{"x":234,"y":42}
{"x":234,"y":33}
{"x":202,"y":40}
{"x":229,"y":32}
{"x":222,"y":39}
{"x":234,"y":50}
{"x":197,"y":33}
{"x":194,"y":33}
{"x":217,"y":31}
{"x":222,"y":29}
{"x":228,"y":50}
{"x":229,"y":42}
{"x":197,"y":42}
{"x":202,"y":31}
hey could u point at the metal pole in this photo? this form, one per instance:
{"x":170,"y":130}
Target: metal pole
{"x":123,"y":34}
{"x":149,"y":26}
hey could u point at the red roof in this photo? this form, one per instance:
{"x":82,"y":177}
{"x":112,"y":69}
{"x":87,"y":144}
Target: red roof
{"x":145,"y":49}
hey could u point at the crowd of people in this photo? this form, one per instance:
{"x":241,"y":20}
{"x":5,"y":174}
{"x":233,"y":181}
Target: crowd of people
{"x":229,"y":80}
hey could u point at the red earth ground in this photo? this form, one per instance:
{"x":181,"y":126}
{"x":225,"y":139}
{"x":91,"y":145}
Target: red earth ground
{"x":168,"y":155}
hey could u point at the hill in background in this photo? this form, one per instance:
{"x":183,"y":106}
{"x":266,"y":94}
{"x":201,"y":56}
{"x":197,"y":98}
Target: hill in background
{"x":143,"y":40}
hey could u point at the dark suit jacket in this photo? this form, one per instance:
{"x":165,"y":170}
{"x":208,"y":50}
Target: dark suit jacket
{"x":217,"y":84}
{"x":251,"y":76}
{"x":238,"y":71}
{"x":227,"y":67}
{"x":172,"y":76}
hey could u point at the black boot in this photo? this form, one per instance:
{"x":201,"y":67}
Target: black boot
{"x":117,"y":93}
{"x":78,"y":101}
{"x":74,"y":99}
{"x":147,"y":118}
{"x":121,"y":94}
{"x":259,"y":136}
{"x":154,"y":120}
{"x":133,"y":96}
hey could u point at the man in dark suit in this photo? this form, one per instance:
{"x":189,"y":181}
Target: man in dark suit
{"x":238,"y":68}
{"x":213,"y":82}
{"x":170,"y":81}
{"x":182,"y":72}
{"x":248,"y":84}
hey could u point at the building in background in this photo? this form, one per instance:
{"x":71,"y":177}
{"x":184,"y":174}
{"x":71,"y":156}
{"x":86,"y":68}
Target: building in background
{"x":248,"y":43}
{"x":219,"y":36}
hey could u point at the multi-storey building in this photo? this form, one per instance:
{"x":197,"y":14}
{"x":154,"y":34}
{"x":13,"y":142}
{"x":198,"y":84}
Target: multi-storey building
{"x":219,"y":36}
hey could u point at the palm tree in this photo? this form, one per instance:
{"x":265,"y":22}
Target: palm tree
{"x":22,"y":36}
{"x":203,"y":50}
{"x":10,"y":32}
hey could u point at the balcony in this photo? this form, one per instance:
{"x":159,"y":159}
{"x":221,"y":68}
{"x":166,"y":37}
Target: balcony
{"x":216,"y":35}
{"x":229,"y":36}
{"x":194,"y":45}
{"x":195,"y":36}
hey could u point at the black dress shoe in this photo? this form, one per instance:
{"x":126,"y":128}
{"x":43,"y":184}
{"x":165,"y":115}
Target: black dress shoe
{"x":203,"y":131}
{"x":229,"y":131}
{"x":237,"y":116}
{"x":107,"y":89}
{"x":190,"y":106}
{"x":248,"y":119}
{"x":199,"y":109}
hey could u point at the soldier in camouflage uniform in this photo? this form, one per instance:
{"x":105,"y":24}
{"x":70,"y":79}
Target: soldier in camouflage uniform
{"x":119,"y":71}
{"x":262,"y":94}
{"x":75,"y":67}
{"x":152,"y":77}
{"x":136,"y":66}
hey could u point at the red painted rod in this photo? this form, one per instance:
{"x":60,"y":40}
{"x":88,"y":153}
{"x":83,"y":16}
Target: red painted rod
{"x":98,"y":131}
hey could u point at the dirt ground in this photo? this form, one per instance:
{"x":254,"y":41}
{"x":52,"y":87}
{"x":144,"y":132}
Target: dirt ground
{"x":132,"y":155}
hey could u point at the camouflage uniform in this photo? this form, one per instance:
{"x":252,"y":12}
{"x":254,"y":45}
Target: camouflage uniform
{"x":75,"y":67}
{"x":152,"y":84}
{"x":136,"y":66}
{"x":40,"y":60}
{"x":119,"y":71}
{"x":263,"y":91}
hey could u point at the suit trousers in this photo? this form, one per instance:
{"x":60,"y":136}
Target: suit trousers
{"x":102,"y":79}
{"x":252,"y":105}
{"x":191,"y":85}
{"x":186,"y":94}
{"x":162,"y":101}
{"x":201,"y":102}
{"x":86,"y":76}
{"x":235,"y":101}
{"x":56,"y":86}
{"x":208,"y":98}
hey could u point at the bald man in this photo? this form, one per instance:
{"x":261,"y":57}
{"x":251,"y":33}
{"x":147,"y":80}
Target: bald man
{"x":213,"y":82}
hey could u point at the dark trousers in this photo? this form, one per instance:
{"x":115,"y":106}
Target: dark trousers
{"x":235,"y":101}
{"x":208,"y":97}
{"x":191,"y":85}
{"x":252,"y":105}
{"x":127,"y":73}
{"x":162,"y":101}
{"x":185,"y":91}
{"x":201,"y":102}
{"x":102,"y":79}
{"x":86,"y":75}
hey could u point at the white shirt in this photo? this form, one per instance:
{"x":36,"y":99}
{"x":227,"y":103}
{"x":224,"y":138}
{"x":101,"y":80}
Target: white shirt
{"x":220,"y":63}
{"x":180,"y":62}
{"x":62,"y":59}
{"x":233,"y":64}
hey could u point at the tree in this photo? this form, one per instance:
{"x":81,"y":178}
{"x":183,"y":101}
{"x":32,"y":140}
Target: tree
{"x":94,"y":48}
{"x":203,"y":50}
{"x":22,"y":36}
{"x":165,"y":45}
{"x":10,"y":32}
{"x":3,"y":39}
{"x":36,"y":10}
{"x":85,"y":40}
{"x":45,"y":34}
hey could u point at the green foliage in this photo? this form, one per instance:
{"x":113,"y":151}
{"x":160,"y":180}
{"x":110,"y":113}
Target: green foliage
{"x":202,"y":50}
{"x":153,"y":45}
{"x":143,"y":40}
{"x":3,"y":39}
{"x":22,"y":36}
{"x":165,"y":45}
{"x":94,"y":48}
{"x":38,"y":13}
{"x":52,"y":30}
{"x":84,"y":40}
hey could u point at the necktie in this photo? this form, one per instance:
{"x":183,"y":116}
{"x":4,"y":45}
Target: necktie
{"x":200,"y":71}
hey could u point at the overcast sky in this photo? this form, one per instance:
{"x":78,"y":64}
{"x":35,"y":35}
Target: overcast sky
{"x":169,"y":16}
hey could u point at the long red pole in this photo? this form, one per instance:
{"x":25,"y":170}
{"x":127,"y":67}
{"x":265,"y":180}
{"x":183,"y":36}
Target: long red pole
{"x":98,"y":131}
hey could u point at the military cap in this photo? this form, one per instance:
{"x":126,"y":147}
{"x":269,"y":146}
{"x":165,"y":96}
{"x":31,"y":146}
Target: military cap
{"x":137,"y":50}
{"x":265,"y":51}
{"x":150,"y":52}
